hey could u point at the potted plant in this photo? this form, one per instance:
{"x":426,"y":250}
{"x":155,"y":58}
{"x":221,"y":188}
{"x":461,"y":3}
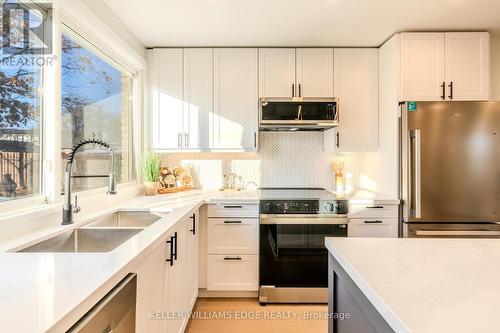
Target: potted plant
{"x":151,"y":169}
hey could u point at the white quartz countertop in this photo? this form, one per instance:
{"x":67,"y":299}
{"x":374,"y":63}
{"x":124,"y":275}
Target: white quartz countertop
{"x":426,"y":285}
{"x":364,"y":197}
{"x":42,"y":292}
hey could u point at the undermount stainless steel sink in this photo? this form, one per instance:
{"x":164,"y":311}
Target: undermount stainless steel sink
{"x":85,"y":240}
{"x":100,"y":235}
{"x":125,"y":219}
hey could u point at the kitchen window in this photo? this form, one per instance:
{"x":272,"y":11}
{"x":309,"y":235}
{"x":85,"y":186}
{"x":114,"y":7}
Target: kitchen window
{"x":96,"y":103}
{"x":21,"y":77}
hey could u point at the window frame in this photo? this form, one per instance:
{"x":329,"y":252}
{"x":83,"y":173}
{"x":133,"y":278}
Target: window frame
{"x":79,"y":17}
{"x":81,"y":40}
{"x":41,"y":197}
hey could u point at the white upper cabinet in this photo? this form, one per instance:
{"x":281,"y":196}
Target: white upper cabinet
{"x":445,"y":66}
{"x":422,"y":66}
{"x":234,"y":120}
{"x":314,"y":72}
{"x":203,"y":99}
{"x":165,"y":82}
{"x":198,"y":97}
{"x":276,"y":72}
{"x":467,"y":65}
{"x":356,"y":86}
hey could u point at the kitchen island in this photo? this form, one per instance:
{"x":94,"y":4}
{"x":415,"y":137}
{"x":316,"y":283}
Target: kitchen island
{"x":414,"y":285}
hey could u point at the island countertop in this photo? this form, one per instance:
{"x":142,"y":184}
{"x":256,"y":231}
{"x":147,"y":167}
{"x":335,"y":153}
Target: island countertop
{"x":426,"y":285}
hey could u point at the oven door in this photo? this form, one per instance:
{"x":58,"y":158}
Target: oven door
{"x":293,"y":254}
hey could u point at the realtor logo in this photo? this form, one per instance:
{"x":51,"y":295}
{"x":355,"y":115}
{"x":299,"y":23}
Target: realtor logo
{"x":25,"y":30}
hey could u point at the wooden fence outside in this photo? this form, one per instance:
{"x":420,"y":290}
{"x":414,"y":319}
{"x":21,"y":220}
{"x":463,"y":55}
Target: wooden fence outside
{"x":24,"y":170}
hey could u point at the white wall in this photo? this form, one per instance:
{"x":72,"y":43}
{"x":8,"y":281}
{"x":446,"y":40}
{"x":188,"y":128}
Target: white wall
{"x":102,"y":11}
{"x":380,"y":168}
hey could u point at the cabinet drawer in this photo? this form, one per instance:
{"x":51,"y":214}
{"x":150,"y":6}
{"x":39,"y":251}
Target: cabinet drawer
{"x":233,"y":272}
{"x":233,"y":235}
{"x":233,"y":210}
{"x":384,"y":228}
{"x":373,"y":210}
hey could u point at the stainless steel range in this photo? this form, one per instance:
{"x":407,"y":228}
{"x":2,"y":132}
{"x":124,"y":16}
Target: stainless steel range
{"x":293,"y":259}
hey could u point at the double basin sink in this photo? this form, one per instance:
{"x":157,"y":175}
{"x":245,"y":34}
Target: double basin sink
{"x":99,"y":235}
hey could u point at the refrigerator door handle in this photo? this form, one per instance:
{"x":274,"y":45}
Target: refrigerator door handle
{"x":415,"y":183}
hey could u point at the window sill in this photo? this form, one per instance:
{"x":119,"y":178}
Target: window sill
{"x":99,"y":191}
{"x":38,"y":207}
{"x":10,"y":207}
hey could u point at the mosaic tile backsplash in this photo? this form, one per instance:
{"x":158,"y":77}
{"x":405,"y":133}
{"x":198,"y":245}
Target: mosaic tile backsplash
{"x":284,"y":159}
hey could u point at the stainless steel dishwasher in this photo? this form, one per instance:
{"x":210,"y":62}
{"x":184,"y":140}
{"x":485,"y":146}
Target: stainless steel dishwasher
{"x":115,"y":312}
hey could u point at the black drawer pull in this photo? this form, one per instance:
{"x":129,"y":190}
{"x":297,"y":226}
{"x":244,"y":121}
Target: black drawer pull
{"x":233,"y":207}
{"x":175,"y":246}
{"x":193,"y":217}
{"x":374,"y":207}
{"x":232,"y":258}
{"x":171,"y":259}
{"x":233,"y":222}
{"x":375,"y":221}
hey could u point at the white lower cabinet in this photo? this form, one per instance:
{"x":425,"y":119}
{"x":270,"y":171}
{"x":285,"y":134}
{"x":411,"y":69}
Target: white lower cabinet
{"x":373,"y":220}
{"x":233,"y":272}
{"x":233,"y":235}
{"x":167,"y":283}
{"x":150,"y":292}
{"x":376,"y":228}
{"x":193,"y":260}
{"x":176,"y":291}
{"x":233,"y":247}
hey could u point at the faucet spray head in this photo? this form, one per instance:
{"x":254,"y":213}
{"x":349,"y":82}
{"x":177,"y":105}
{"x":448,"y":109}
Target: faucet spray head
{"x":111,"y":177}
{"x":111,"y":184}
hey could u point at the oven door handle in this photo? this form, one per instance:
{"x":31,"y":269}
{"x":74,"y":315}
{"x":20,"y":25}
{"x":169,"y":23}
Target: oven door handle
{"x":302,"y":219}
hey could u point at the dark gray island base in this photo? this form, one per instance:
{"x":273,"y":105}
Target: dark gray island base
{"x":350,"y":310}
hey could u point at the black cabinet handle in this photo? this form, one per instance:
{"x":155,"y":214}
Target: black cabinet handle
{"x":337,"y":136}
{"x":293,"y":89}
{"x":194,"y":224}
{"x":443,"y":94}
{"x":171,"y":259}
{"x":175,"y":246}
{"x":374,"y":207}
{"x":300,"y":90}
{"x":233,"y":207}
{"x":451,"y":90}
{"x":376,"y":221}
{"x":232,"y":258}
{"x":232,"y":222}
{"x":255,"y":139}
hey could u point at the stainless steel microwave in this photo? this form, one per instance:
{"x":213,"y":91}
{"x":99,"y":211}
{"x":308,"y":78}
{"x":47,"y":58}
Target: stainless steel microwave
{"x":309,"y":114}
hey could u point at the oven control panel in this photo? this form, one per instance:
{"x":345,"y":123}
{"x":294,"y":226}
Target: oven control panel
{"x":303,"y":207}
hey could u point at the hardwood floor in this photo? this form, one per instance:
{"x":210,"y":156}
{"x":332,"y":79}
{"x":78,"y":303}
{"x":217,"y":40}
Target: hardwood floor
{"x":229,"y":315}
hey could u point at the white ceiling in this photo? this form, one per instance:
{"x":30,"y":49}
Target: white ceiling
{"x":297,"y":22}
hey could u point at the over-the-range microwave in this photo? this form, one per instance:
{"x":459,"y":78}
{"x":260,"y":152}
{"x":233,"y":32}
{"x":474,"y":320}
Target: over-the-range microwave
{"x":299,"y":114}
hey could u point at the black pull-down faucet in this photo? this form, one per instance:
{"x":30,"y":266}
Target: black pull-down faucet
{"x":68,"y":209}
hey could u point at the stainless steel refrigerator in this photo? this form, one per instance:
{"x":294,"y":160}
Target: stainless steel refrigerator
{"x":450,"y":169}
